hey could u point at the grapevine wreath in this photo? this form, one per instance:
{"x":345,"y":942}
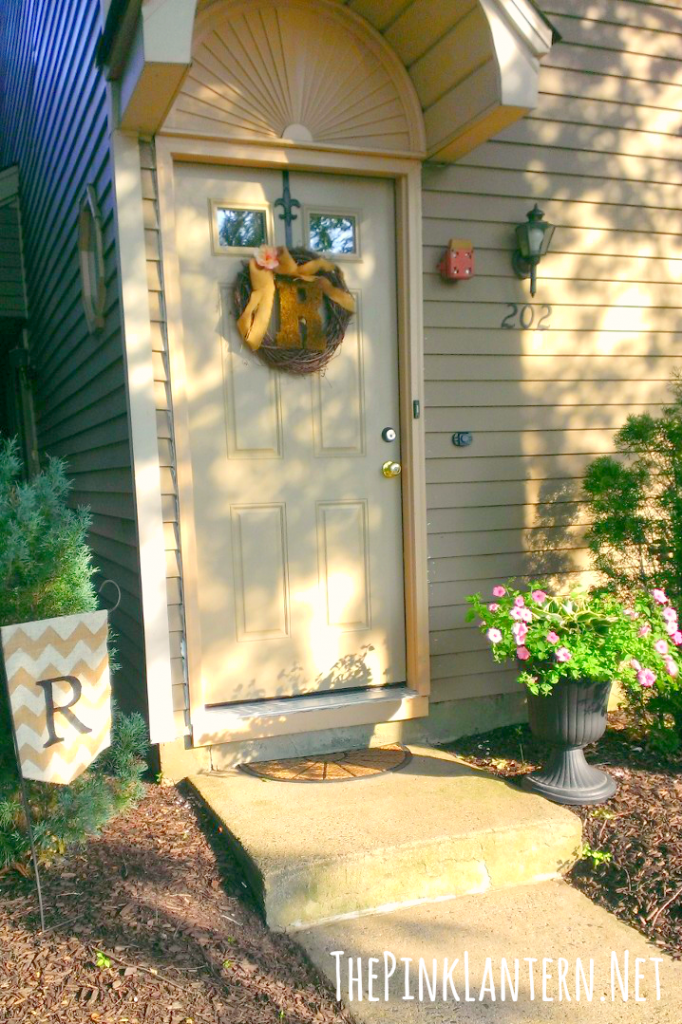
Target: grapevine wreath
{"x":295,"y":275}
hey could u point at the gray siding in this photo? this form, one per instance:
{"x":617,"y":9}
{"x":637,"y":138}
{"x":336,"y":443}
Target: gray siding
{"x":54,"y":117}
{"x":12,"y":294}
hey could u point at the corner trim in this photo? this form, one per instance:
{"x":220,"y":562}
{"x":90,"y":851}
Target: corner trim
{"x":137,"y":344}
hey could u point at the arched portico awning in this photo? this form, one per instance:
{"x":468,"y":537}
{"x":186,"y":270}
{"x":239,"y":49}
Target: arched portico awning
{"x":473,"y":65}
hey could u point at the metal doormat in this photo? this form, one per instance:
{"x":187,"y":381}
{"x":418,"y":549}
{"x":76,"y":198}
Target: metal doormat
{"x":344,"y":767}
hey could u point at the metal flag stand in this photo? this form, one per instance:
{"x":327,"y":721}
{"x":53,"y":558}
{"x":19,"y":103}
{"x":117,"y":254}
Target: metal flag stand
{"x":25,"y":803}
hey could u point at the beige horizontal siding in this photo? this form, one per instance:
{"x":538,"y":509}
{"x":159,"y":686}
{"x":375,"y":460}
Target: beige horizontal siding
{"x":601,"y":155}
{"x":162,"y":397}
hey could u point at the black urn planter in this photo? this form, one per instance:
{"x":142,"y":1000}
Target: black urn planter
{"x":571,"y":716}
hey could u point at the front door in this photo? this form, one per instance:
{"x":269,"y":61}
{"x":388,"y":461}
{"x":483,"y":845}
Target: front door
{"x":299,"y":548}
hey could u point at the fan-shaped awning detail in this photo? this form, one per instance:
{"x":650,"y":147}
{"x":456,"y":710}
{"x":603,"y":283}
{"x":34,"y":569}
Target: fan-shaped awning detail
{"x":298,"y":71}
{"x":429,"y":77}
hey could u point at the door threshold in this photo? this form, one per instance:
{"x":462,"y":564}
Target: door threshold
{"x":283,"y":716}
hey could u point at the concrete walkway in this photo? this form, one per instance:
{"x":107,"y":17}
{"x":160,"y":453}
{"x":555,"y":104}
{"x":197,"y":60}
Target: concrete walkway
{"x":439,"y":862}
{"x":550,"y":920}
{"x":435,"y":829}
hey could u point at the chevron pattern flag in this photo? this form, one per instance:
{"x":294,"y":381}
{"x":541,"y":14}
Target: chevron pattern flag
{"x":57,"y":674}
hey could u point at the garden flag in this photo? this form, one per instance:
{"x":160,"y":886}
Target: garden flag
{"x":57,"y":674}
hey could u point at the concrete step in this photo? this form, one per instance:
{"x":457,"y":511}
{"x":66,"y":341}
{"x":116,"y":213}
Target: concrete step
{"x":569,"y":938}
{"x":433,"y":830}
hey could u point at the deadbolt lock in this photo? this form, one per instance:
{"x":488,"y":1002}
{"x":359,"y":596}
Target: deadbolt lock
{"x":390,"y":469}
{"x":389,"y":434}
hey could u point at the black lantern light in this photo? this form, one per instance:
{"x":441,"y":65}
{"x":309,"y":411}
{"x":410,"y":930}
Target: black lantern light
{"x":532,"y":241}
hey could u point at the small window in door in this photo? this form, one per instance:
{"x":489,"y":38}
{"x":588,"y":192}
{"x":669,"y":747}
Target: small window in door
{"x":333,"y":233}
{"x":237,"y":227}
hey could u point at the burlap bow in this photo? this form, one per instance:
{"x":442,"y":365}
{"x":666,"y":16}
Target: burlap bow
{"x":254,"y":321}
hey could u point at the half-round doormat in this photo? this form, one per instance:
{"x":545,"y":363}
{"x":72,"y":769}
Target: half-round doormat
{"x":343,"y":767}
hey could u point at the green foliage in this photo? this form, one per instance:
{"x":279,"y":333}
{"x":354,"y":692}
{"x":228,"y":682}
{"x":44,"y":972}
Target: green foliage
{"x":46,"y":571}
{"x":635,"y":504}
{"x":101,"y":959}
{"x":64,"y":816}
{"x":585,"y":635}
{"x":596,"y":856}
{"x":45,"y":563}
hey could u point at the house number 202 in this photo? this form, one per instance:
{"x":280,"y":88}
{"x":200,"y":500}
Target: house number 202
{"x":523,"y":317}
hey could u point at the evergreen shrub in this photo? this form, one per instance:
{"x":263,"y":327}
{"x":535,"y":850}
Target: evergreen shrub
{"x":46,"y":571}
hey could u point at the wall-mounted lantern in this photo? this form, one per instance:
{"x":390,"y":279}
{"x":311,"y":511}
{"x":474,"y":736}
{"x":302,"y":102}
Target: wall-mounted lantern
{"x":532,"y":243}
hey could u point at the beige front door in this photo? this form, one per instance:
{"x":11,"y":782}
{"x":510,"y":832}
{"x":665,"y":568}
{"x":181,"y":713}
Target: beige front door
{"x":299,"y":548}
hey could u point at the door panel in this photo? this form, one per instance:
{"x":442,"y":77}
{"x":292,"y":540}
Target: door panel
{"x":298,"y":534}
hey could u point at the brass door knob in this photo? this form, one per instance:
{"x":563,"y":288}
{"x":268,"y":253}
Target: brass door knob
{"x":390,"y":469}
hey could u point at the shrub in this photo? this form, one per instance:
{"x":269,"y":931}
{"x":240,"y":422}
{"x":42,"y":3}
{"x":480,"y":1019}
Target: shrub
{"x":635,"y":535}
{"x":65,"y":816}
{"x":635,"y":504}
{"x":46,"y":571}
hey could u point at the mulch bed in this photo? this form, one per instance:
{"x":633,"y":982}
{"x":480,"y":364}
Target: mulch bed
{"x":151,"y":923}
{"x":639,"y":829}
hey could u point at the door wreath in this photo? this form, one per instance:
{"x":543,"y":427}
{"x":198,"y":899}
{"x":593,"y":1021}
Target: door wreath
{"x":314,"y":307}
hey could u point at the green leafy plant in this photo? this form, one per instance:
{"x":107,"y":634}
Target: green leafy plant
{"x":603,"y":813}
{"x":46,"y":571}
{"x":635,"y":504}
{"x":101,"y":959}
{"x":596,"y":856}
{"x":585,"y":635}
{"x":635,"y":508}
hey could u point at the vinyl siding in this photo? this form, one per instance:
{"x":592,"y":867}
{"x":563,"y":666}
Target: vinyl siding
{"x":164,"y":419}
{"x":54,"y":117}
{"x":12,"y":293}
{"x":601,"y":155}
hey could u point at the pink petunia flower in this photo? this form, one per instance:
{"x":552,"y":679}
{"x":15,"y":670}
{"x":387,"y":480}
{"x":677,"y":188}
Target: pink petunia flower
{"x":493,"y":607}
{"x":635,"y":664}
{"x":669,"y":613}
{"x":552,"y":637}
{"x":645,"y":629}
{"x":659,"y":596}
{"x":671,"y":667}
{"x":677,"y":638}
{"x":267,"y":257}
{"x":499,"y":591}
{"x":494,"y":636}
{"x":629,"y":613}
{"x":539,"y":596}
{"x":522,"y":653}
{"x":526,"y":615}
{"x":671,"y":627}
{"x":645,"y":677}
{"x":517,"y":613}
{"x":520,"y":630}
{"x":519,"y":602}
{"x":563,"y":654}
{"x":661,"y":647}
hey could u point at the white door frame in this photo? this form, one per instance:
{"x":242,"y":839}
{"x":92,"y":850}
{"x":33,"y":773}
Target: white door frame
{"x":323,"y":711}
